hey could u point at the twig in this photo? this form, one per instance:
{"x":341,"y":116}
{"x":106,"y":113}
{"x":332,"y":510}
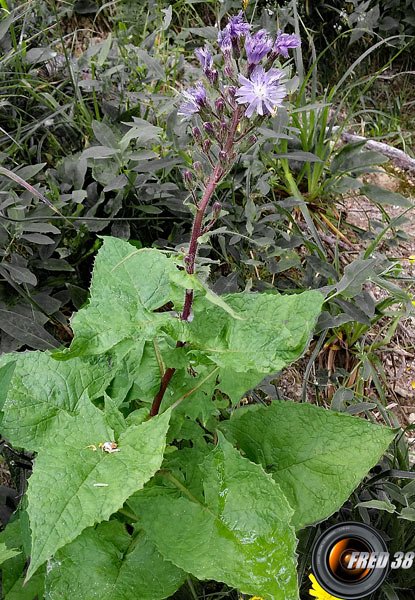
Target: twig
{"x":402,"y":159}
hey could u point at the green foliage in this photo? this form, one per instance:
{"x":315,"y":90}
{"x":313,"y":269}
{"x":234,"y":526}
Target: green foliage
{"x":128,"y":286}
{"x":96,"y":484}
{"x":305,"y":459}
{"x":132,"y":565}
{"x":6,"y":553}
{"x":240,"y":533}
{"x":12,"y":569}
{"x":208,"y":501}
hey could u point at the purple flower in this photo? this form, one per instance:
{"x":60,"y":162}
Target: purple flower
{"x":237,"y":27}
{"x":224,"y":41}
{"x":228,"y":37}
{"x":195,"y":100}
{"x":284,"y":42}
{"x":262,"y":91}
{"x":257,"y":46}
{"x":205,"y":58}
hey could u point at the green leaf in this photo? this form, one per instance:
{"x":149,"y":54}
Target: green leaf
{"x":31,"y":590}
{"x":140,"y":129}
{"x":352,"y":157}
{"x":209,"y":32}
{"x":104,"y":134}
{"x":72,"y":486}
{"x":408,"y":513}
{"x":355,"y":275}
{"x":6,"y":553}
{"x":345,"y":154}
{"x":99,"y":152}
{"x":12,"y":579}
{"x":103,"y":53}
{"x":127,"y":285}
{"x":379,"y":505}
{"x":26,"y":330}
{"x":133,"y":568}
{"x":43,"y":392}
{"x":327,"y":321}
{"x":115,"y":418}
{"x":317,"y":456}
{"x":344,"y":184}
{"x":241,"y":535}
{"x":235,"y":384}
{"x":273,"y":333}
{"x":6,"y":374}
{"x":382,"y":196}
{"x":393,"y":289}
{"x":5,"y":24}
{"x":300,"y":156}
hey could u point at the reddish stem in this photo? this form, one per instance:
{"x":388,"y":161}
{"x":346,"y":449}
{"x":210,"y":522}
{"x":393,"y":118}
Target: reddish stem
{"x":168,"y":374}
{"x":190,"y":258}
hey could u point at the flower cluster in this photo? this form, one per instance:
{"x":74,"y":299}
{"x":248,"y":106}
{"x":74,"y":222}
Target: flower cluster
{"x":260,"y":86}
{"x":241,"y":90}
{"x":249,"y":89}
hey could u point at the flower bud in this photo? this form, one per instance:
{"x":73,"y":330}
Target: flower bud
{"x":198,"y":169}
{"x":208,"y":127}
{"x":212,"y":76}
{"x":223,"y":157}
{"x":197,"y":135}
{"x":228,"y":70}
{"x":231,"y":96}
{"x":206,"y":146}
{"x":220,"y":106}
{"x":217,"y":207}
{"x":188,"y":180}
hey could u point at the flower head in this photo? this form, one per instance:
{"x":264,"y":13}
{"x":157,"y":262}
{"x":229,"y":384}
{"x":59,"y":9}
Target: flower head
{"x":205,"y":58}
{"x":224,"y":41}
{"x":237,"y":27}
{"x":257,"y":46}
{"x":195,"y":100}
{"x":284,"y":42}
{"x":262,"y":91}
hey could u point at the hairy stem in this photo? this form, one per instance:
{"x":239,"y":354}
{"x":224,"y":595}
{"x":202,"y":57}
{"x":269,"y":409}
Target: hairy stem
{"x":190,"y":258}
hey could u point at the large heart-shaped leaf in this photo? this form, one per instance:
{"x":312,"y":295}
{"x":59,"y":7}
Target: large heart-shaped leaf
{"x":43,"y":392}
{"x":240,"y":534}
{"x":73,"y":486}
{"x":317,"y":456}
{"x":107,"y":563}
{"x":127,"y":286}
{"x":274,"y":331}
